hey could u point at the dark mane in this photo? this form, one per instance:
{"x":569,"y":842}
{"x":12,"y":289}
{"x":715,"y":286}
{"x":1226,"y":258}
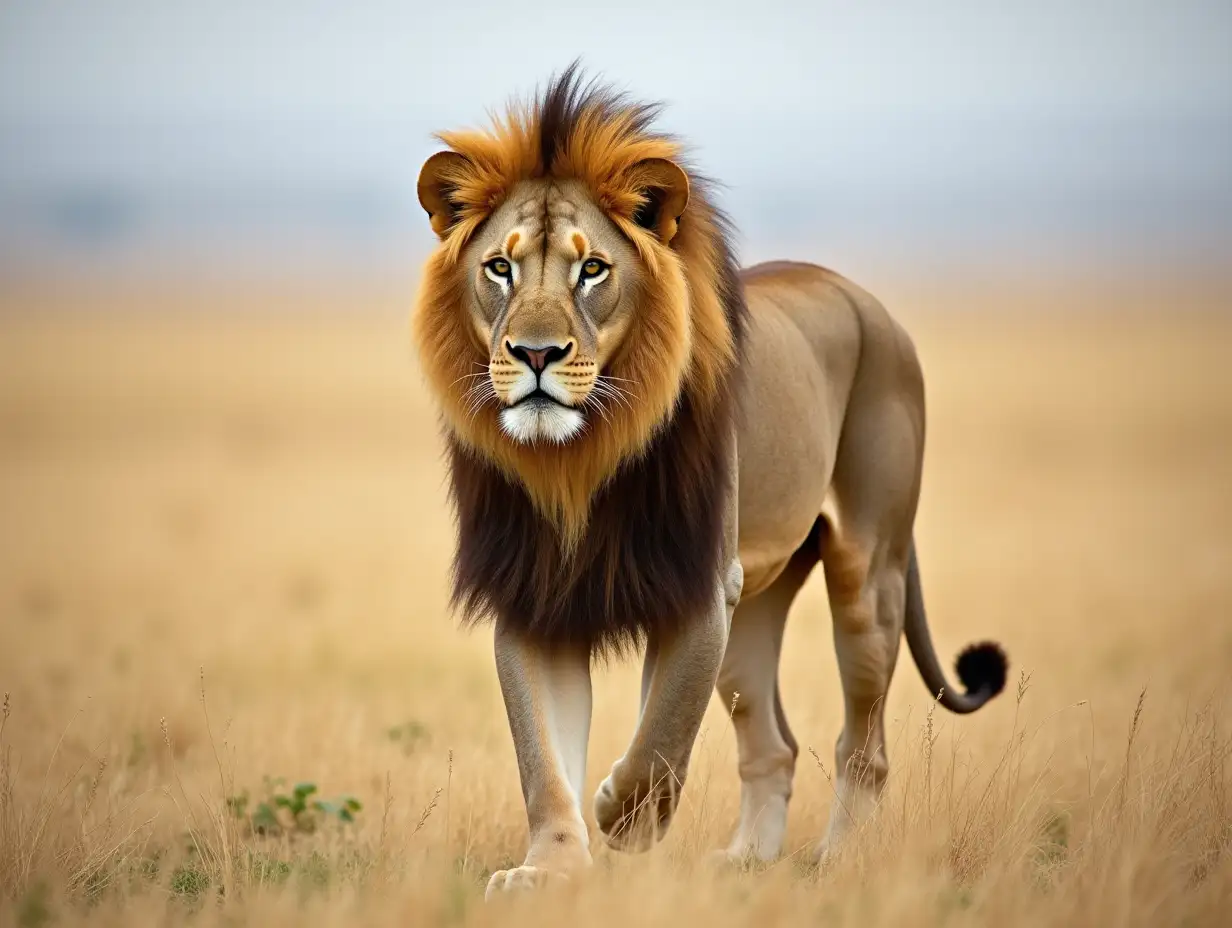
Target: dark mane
{"x":649,"y":560}
{"x":646,"y":566}
{"x":568,"y":98}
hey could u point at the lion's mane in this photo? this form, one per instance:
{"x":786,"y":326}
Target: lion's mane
{"x":617,"y":534}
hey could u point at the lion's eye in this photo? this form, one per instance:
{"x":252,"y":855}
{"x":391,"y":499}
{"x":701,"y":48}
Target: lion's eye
{"x":592,"y":268}
{"x":501,"y":268}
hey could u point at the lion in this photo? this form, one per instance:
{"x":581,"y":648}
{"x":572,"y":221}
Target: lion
{"x":649,"y":447}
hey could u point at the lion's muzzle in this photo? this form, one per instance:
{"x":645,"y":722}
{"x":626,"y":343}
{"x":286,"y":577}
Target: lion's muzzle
{"x":540,"y":387}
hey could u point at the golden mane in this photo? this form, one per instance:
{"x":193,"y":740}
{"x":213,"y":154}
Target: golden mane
{"x":685,"y":335}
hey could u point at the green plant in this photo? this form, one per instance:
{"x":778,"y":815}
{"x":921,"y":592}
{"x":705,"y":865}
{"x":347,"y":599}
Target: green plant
{"x":34,"y":910}
{"x":410,"y":735}
{"x":283,"y":813}
{"x":189,"y":881}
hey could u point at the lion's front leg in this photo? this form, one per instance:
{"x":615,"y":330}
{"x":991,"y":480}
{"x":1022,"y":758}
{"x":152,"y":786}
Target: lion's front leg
{"x":547,"y":696}
{"x":635,"y":803}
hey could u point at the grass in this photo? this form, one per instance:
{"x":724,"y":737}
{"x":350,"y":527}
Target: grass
{"x":954,"y":840}
{"x":256,"y":496}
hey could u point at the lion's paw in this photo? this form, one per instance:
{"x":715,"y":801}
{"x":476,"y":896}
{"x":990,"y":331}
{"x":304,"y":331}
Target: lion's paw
{"x":520,"y":878}
{"x":722,"y":859}
{"x":634,"y":818}
{"x":726,"y":859}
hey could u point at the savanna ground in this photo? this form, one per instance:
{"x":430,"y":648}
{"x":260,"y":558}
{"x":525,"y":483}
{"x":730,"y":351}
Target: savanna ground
{"x":224,"y":544}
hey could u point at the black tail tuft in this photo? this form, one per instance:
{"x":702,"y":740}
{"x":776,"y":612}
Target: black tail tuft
{"x":982,"y":668}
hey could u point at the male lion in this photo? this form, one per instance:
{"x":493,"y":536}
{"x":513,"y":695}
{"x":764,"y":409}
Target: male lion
{"x":649,"y":446}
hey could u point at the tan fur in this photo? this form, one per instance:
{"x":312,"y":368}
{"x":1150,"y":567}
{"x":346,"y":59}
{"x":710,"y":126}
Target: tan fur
{"x":828,"y":451}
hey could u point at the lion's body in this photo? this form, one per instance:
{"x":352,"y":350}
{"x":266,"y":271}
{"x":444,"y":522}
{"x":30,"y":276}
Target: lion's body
{"x":806,"y":333}
{"x":830,"y":448}
{"x":650,"y":448}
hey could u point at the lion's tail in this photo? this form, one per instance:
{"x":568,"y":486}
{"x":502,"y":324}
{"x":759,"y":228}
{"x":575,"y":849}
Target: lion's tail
{"x":981,"y":667}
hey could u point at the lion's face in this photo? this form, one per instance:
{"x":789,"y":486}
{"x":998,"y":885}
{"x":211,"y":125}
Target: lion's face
{"x":578,"y":292}
{"x":552,"y":287}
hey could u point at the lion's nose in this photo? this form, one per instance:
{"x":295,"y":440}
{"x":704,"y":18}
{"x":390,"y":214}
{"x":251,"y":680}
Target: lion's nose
{"x":537,"y":359}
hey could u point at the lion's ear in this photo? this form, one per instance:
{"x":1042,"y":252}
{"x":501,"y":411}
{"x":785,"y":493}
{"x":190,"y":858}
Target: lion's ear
{"x":665,"y":188}
{"x":437,"y":178}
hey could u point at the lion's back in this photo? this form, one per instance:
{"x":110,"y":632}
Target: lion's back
{"x":804,"y":336}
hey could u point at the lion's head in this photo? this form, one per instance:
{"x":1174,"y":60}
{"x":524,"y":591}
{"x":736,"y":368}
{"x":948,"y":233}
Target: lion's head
{"x":581,"y":284}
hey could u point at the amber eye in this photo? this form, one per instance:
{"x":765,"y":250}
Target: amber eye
{"x":500,"y":267}
{"x":592,"y":268}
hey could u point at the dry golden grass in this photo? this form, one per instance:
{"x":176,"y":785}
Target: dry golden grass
{"x":223,"y":555}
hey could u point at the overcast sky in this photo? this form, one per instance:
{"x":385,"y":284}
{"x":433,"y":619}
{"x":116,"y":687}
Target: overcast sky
{"x":955,"y":118}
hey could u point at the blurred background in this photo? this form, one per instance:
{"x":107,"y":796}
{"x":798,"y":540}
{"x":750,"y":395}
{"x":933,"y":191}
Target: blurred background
{"x":278,"y":136}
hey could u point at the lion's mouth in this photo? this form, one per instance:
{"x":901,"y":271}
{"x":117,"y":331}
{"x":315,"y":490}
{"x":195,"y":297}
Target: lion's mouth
{"x":537,"y":399}
{"x":540,"y":417}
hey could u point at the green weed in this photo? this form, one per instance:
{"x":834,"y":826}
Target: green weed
{"x":280,"y":813}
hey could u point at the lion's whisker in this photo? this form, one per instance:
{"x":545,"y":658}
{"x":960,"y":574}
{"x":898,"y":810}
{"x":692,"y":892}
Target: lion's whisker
{"x":469,"y":377}
{"x":605,"y":388}
{"x":477,"y":396}
{"x":596,"y":400}
{"x":601,"y":391}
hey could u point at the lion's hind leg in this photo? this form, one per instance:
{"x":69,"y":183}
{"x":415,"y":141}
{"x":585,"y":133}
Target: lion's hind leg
{"x":870,"y":512}
{"x":867,"y":593}
{"x":749,"y":686}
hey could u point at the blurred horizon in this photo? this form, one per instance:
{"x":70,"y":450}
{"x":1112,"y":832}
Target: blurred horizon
{"x":138,"y":136}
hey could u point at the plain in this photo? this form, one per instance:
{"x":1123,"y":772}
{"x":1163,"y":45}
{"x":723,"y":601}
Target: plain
{"x":224,"y":550}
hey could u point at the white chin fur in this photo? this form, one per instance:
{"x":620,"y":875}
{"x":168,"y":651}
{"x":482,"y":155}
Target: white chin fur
{"x":534,"y":421}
